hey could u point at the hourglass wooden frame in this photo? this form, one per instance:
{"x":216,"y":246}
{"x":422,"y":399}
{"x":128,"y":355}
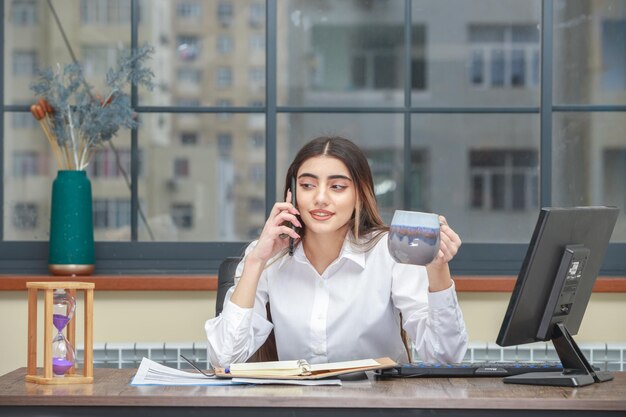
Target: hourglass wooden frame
{"x":47,"y":377}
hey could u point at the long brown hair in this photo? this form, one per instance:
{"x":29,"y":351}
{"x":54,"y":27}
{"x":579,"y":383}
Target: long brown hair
{"x":366,"y":220}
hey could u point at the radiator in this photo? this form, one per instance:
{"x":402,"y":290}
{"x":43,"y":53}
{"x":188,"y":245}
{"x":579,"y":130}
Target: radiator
{"x":606,"y":356}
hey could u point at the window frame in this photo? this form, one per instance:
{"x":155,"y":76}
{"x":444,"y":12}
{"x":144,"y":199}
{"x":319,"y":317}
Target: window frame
{"x":137,"y":257}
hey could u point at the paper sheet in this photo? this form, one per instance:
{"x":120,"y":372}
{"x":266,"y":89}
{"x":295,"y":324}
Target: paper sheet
{"x":153,"y":373}
{"x":309,"y":382}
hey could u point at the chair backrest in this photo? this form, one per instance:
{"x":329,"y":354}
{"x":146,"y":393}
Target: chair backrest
{"x":225,"y":280}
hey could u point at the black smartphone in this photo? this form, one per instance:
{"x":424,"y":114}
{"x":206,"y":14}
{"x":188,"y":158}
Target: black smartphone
{"x":293,"y":202}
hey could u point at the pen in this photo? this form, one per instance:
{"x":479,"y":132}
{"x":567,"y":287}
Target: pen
{"x":293,"y":202}
{"x":211,"y":372}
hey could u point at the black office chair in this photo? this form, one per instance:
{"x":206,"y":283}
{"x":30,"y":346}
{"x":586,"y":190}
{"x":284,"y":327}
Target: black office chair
{"x":225,"y":280}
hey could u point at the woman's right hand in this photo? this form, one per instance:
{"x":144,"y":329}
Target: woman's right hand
{"x":270,"y":242}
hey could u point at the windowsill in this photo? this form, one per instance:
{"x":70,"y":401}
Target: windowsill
{"x":465,"y":283}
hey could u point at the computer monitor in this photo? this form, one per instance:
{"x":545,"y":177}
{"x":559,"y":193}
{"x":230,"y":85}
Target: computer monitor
{"x":553,"y":288}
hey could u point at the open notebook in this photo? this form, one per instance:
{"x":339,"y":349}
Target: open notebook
{"x":300,"y":369}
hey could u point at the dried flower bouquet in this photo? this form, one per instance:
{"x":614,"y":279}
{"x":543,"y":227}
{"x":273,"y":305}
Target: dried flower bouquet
{"x":75,"y":120}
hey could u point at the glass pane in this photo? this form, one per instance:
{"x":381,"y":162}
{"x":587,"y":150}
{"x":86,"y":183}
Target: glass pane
{"x":204,"y":177}
{"x":97,"y":31}
{"x":589,"y":52}
{"x":474,"y":60}
{"x":30,"y":168}
{"x":379,"y":136}
{"x":589,"y":160}
{"x":28,"y":171}
{"x":481,"y":172}
{"x":207,"y":53}
{"x":342,"y":53}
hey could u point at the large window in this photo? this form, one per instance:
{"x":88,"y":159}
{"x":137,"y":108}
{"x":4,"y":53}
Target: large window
{"x":444,"y":97}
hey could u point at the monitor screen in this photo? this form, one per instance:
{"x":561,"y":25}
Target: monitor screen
{"x":554,"y":285}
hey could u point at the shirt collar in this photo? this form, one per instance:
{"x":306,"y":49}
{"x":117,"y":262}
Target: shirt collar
{"x":349,"y":250}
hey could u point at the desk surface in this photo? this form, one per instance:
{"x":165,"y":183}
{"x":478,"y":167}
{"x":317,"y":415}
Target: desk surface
{"x":443,"y":396}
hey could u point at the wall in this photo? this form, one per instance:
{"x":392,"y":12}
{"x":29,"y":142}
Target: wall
{"x":152,"y":316}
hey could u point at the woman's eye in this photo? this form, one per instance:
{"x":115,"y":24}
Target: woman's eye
{"x":339,"y":187}
{"x":306,"y":185}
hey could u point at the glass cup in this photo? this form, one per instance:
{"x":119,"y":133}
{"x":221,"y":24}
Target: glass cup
{"x":413,"y":237}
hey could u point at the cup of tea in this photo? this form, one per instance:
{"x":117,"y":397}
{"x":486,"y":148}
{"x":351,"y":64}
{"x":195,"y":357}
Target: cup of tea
{"x":413,"y":237}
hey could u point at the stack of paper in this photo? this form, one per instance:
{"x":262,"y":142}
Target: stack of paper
{"x":153,"y":373}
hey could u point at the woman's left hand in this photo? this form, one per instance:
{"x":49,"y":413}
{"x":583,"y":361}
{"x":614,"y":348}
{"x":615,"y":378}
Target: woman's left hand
{"x":439,"y":277}
{"x":449,"y":244}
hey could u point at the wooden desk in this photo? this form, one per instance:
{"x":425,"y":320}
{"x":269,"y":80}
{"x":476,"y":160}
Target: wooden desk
{"x":111,"y":395}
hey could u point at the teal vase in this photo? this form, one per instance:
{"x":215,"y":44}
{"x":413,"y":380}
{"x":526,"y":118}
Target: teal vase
{"x":71,"y":225}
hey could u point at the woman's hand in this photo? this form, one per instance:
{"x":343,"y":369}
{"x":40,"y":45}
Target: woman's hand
{"x":438,"y":271}
{"x":276,"y":232}
{"x":449,"y":243}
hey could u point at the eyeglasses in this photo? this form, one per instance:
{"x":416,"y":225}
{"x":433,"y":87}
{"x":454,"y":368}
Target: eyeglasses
{"x":209,"y":372}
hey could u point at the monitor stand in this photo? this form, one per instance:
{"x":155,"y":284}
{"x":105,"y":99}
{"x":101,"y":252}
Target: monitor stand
{"x":577,"y":371}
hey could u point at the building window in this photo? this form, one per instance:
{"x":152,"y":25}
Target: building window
{"x":23,"y":121}
{"x":384,"y":163}
{"x":104,"y":164}
{"x":25,"y":216}
{"x":256,"y":173}
{"x":614,"y":55}
{"x":374,"y":60}
{"x":257,"y":42}
{"x":225,"y":13}
{"x":111,"y":213}
{"x":504,"y":56}
{"x":256,"y":76}
{"x":224,"y":115}
{"x":187,"y":102}
{"x":182,"y":215}
{"x":225,"y":44}
{"x":188,"y":47}
{"x":105,"y":12}
{"x":97,"y":59}
{"x":224,"y":144}
{"x":189,"y":10}
{"x":256,"y":205}
{"x":224,"y":77}
{"x":257,"y":15}
{"x":24,"y":63}
{"x":181,"y":168}
{"x":28,"y":164}
{"x":189,"y":76}
{"x":188,"y":138}
{"x":504,"y":180}
{"x":23,"y":12}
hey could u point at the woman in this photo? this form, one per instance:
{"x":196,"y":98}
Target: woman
{"x":341,"y":295}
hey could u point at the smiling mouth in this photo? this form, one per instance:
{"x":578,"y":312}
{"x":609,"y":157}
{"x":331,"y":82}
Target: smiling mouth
{"x":321,"y":215}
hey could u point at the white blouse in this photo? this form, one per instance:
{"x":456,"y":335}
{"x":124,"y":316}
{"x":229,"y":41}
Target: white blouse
{"x":349,"y":312}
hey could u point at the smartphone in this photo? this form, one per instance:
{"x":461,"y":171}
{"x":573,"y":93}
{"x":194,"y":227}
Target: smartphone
{"x":293,"y":202}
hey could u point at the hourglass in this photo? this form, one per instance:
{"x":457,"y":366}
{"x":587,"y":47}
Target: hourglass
{"x":59,"y":355}
{"x":63,"y":357}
